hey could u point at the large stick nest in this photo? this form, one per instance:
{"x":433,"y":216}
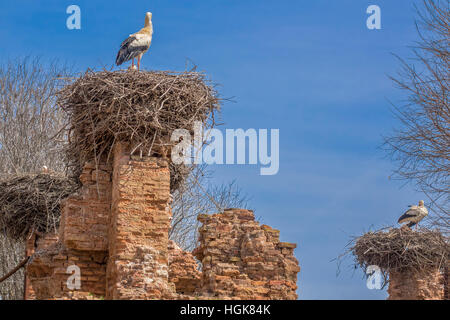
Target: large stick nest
{"x":140,"y":108}
{"x":32,"y":202}
{"x":401,"y":249}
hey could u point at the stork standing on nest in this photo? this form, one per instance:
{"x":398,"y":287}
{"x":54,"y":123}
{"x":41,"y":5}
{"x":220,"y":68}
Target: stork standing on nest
{"x":414,"y":215}
{"x":136,"y":44}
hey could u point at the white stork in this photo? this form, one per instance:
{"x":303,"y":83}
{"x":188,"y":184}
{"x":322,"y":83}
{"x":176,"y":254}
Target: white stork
{"x":136,"y":44}
{"x":414,"y":214}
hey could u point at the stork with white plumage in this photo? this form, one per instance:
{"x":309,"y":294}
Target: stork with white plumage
{"x":136,"y":44}
{"x":414,"y":214}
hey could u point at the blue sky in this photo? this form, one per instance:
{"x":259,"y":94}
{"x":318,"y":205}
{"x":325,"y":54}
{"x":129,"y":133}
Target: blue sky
{"x":309,"y":68}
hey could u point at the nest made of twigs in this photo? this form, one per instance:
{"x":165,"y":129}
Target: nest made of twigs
{"x":399,"y":249}
{"x":32,"y":202}
{"x":139,"y":108}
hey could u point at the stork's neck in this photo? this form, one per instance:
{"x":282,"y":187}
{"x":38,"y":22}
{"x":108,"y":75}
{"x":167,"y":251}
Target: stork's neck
{"x":148,"y":22}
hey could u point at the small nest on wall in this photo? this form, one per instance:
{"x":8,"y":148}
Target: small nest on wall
{"x":141,"y":108}
{"x":401,"y":249}
{"x":32,"y":202}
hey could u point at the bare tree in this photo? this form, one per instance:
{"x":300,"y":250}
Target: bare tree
{"x":420,"y":147}
{"x":11,"y":253}
{"x":199,"y":196}
{"x":30,"y":138}
{"x":30,"y":122}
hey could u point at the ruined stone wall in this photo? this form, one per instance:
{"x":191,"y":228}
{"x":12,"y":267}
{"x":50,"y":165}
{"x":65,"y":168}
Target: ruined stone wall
{"x":32,"y":243}
{"x":84,"y":216}
{"x":115,"y":230}
{"x":184,"y":271}
{"x":244,"y":260}
{"x":48,"y":273}
{"x":426,"y":285}
{"x":82,"y":241}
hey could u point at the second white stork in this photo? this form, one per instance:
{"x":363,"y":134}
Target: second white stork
{"x":136,"y":44}
{"x":414,"y":215}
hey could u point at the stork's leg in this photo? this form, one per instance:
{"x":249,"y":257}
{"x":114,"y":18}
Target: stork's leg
{"x":132,"y":63}
{"x":139,"y":62}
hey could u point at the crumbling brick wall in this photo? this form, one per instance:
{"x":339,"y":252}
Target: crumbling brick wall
{"x":33,"y":242}
{"x":244,"y":260}
{"x":49,"y":273}
{"x":184,"y":271}
{"x":84,"y":217}
{"x":116,"y":231}
{"x":82,"y":241}
{"x":413,"y":285}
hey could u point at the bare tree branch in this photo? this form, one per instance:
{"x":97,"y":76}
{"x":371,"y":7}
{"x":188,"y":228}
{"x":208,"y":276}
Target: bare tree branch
{"x":420,"y":147}
{"x":30,"y":137}
{"x":198,"y":196}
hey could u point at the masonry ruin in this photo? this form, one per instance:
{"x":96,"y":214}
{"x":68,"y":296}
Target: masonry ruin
{"x":112,"y":241}
{"x":425,"y":285}
{"x":116,"y":231}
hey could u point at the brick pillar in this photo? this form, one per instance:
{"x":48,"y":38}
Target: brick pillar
{"x":425,"y":285}
{"x":138,"y":228}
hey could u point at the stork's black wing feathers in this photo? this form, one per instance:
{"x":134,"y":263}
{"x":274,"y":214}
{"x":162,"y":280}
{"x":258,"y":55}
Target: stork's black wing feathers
{"x":124,"y":51}
{"x":128,"y":51}
{"x":406,"y":215}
